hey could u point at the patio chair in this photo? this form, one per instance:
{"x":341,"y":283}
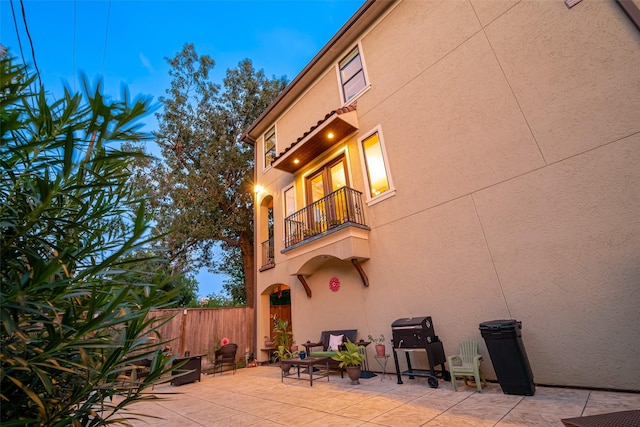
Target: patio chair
{"x":225,"y":355}
{"x":466,"y":364}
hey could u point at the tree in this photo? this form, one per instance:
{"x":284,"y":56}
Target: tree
{"x":232,"y":266}
{"x":73,"y":315}
{"x":149,"y":265}
{"x":203,"y":193}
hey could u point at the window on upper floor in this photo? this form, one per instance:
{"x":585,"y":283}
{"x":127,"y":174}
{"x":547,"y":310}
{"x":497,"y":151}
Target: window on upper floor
{"x":289,"y":202}
{"x":269,"y":146}
{"x":352,"y":76}
{"x":378,"y":177}
{"x":265,"y":233}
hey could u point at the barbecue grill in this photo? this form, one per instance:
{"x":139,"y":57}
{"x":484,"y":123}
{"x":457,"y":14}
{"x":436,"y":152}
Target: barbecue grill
{"x":417,"y":333}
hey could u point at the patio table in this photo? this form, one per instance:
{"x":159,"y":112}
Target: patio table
{"x":308,"y":373}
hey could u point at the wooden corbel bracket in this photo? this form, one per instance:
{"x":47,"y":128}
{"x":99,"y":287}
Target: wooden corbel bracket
{"x":304,"y":283}
{"x":363,"y":275}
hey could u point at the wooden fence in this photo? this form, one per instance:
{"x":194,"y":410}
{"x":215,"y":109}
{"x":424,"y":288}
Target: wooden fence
{"x":197,"y":330}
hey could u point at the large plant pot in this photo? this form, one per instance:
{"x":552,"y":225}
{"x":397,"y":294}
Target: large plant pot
{"x":354,"y":374}
{"x":380,"y":350}
{"x":286,"y":367}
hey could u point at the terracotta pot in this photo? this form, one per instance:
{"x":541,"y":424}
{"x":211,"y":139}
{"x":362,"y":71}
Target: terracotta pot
{"x":380,"y":350}
{"x":354,"y":374}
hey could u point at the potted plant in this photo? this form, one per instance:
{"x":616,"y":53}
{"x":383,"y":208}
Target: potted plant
{"x":268,"y":342}
{"x":283,"y":354}
{"x":351,"y":358}
{"x":308,"y":232}
{"x":282,"y":336}
{"x":379,"y":342}
{"x":333,"y":222}
{"x":283,"y":341}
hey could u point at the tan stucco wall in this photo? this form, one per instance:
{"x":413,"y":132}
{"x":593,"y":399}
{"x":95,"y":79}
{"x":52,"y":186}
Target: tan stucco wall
{"x":320,"y":99}
{"x":512,"y":130}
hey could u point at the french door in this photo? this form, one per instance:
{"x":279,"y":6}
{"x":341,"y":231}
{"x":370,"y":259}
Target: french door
{"x":329,"y":178}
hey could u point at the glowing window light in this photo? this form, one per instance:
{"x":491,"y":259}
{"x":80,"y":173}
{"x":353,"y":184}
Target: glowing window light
{"x":374,"y":161}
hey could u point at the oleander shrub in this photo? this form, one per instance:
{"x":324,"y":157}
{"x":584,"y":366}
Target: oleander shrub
{"x":72,"y":306}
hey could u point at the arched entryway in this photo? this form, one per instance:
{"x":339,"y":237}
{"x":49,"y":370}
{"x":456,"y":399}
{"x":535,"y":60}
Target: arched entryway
{"x":277,"y":298}
{"x":280,"y":304}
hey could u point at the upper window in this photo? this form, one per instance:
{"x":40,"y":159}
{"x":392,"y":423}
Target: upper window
{"x":289,"y":202}
{"x":269,"y":146}
{"x":352,"y":76}
{"x":376,"y":166}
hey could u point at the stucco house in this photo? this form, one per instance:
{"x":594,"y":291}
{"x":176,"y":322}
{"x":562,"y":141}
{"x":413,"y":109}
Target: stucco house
{"x":465,"y":160}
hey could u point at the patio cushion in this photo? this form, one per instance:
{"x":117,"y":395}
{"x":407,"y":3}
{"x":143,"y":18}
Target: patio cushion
{"x":335,"y":341}
{"x":322,"y":354}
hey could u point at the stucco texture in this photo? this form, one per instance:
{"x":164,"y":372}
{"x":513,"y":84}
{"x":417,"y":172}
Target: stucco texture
{"x":512,"y":133}
{"x":565,"y":244}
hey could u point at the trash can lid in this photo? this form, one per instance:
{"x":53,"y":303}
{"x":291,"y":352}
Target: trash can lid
{"x":508,"y":324}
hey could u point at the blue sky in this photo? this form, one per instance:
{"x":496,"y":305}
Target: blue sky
{"x":126,"y":42}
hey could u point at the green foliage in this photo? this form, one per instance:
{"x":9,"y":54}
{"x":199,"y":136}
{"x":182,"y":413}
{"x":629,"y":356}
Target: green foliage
{"x":378,"y":340}
{"x":213,"y":301}
{"x":202,"y":187}
{"x":149,"y":266}
{"x":232,"y":266}
{"x":283,"y":339}
{"x":285,"y":353}
{"x":72,"y":310}
{"x":350,"y":356}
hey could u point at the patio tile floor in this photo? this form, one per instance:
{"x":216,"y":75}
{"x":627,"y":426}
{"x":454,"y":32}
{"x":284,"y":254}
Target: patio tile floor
{"x":257,"y":397}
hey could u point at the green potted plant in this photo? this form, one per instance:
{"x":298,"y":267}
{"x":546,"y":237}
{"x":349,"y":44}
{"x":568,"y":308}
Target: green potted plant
{"x":308,"y":232}
{"x":351,"y":358}
{"x":379,"y":343}
{"x":283,"y":341}
{"x":283,"y":354}
{"x":334,"y":222}
{"x":282,"y":336}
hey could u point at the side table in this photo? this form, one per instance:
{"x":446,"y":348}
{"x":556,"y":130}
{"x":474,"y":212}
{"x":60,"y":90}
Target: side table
{"x":382,"y":362}
{"x":270,"y":355}
{"x":189,"y":371}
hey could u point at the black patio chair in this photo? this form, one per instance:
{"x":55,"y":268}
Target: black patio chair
{"x":225,"y":355}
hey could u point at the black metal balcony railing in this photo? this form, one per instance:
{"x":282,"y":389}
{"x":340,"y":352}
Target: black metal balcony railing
{"x":267,"y":253}
{"x":343,"y":206}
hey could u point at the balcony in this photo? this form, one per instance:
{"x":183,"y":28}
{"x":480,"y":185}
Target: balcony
{"x":340,"y":209}
{"x":267,"y":255}
{"x":333,"y":228}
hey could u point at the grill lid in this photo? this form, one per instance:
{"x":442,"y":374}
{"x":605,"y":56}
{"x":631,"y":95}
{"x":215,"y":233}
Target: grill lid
{"x":424,"y":322}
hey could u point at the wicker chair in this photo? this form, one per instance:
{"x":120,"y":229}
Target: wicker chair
{"x":225,"y":355}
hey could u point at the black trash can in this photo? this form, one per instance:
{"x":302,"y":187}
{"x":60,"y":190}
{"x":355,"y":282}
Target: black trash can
{"x":508,"y":356}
